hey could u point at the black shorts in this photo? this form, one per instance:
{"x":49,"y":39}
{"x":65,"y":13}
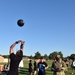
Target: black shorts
{"x":30,"y":70}
{"x":73,"y":67}
{"x":40,"y":73}
{"x":35,"y":69}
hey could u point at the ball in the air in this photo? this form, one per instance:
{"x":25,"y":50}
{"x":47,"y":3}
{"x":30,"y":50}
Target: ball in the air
{"x":20,"y":22}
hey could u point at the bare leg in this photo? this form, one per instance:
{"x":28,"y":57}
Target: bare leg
{"x":34,"y":72}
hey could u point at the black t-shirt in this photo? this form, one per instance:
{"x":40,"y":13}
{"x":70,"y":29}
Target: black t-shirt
{"x":30,"y":65}
{"x":35,"y":66}
{"x":14,"y":61}
{"x":41,"y":66}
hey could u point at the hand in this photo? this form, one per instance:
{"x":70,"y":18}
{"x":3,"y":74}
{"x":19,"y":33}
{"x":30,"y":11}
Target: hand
{"x":58,"y":69}
{"x":22,"y":42}
{"x":17,"y":42}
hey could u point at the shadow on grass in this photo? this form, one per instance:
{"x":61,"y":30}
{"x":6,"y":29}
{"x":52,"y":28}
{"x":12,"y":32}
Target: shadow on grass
{"x":23,"y":71}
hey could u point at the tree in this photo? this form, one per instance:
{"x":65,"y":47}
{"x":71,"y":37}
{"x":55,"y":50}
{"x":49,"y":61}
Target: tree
{"x":60,"y":53}
{"x":54,"y":54}
{"x":5,"y":56}
{"x":31,"y":57}
{"x":37,"y":55}
{"x":72,"y":56}
{"x":45,"y":57}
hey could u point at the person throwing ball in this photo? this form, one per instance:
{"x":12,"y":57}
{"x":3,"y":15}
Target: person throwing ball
{"x":15,"y":58}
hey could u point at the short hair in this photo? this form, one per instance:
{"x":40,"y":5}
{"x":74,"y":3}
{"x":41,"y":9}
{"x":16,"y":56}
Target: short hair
{"x":58,"y":56}
{"x":18,"y":53}
{"x":30,"y":61}
{"x":41,"y":58}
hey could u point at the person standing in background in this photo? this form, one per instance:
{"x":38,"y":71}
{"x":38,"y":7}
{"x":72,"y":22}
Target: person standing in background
{"x":30,"y":67}
{"x":35,"y":67}
{"x":42,"y":66}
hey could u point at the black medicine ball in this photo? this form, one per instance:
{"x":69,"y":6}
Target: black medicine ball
{"x":20,"y":22}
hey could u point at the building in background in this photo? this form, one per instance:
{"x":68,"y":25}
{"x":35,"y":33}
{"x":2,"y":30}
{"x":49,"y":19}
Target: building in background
{"x":1,"y":58}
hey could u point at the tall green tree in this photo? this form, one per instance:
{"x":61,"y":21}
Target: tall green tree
{"x":31,"y":57}
{"x":37,"y":55}
{"x":54,"y":54}
{"x":45,"y":57}
{"x":72,"y":56}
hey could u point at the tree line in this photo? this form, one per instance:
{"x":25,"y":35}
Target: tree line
{"x":45,"y":56}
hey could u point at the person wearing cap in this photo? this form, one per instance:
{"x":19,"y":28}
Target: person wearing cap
{"x":59,"y":66}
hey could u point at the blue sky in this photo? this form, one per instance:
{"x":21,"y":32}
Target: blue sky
{"x":49,"y":26}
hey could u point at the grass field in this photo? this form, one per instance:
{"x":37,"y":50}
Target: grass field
{"x":24,"y":70}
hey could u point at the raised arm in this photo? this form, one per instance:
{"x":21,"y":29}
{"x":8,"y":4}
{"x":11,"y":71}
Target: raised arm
{"x":12,"y":47}
{"x":14,"y":44}
{"x":22,"y":45}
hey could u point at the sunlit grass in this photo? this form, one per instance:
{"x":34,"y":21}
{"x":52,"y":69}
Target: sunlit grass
{"x":24,"y":70}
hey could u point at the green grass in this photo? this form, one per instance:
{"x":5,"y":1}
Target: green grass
{"x":24,"y":70}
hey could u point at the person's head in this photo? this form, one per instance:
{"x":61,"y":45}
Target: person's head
{"x":41,"y":59}
{"x":54,"y":60}
{"x":18,"y":53}
{"x":30,"y":61}
{"x":34,"y":60}
{"x":58,"y":57}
